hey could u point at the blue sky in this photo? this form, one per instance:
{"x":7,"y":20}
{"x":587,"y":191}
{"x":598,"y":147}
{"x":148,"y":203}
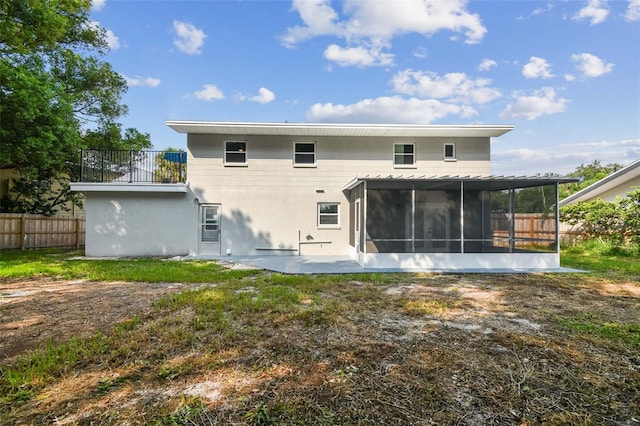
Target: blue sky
{"x":565,"y":73}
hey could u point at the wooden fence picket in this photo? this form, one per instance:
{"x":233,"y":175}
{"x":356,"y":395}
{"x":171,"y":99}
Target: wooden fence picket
{"x":25,"y":231}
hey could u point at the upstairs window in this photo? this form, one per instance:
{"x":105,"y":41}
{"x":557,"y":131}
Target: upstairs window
{"x":235,"y":153}
{"x":404,"y":154}
{"x":328,"y":215}
{"x":304,"y":154}
{"x":449,"y":151}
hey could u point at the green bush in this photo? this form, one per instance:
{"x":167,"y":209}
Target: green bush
{"x":617,"y":221}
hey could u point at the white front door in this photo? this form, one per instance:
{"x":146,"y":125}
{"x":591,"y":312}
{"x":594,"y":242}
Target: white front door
{"x":210,"y":229}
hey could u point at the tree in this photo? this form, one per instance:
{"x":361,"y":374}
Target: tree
{"x":56,"y":96}
{"x":588,"y":175}
{"x":171,"y":165}
{"x":617,"y":221}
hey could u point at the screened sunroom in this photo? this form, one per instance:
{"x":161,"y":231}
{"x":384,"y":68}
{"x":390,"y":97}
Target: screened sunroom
{"x":454,"y":221}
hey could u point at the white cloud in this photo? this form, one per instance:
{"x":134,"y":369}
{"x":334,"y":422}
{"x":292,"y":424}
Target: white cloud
{"x":595,"y":10}
{"x":141,"y":82}
{"x":590,"y":65}
{"x":97,"y":5}
{"x":547,"y":8}
{"x":537,"y":68}
{"x":624,"y":143}
{"x":112,"y":40}
{"x":541,"y":102}
{"x":633,"y":11}
{"x":487,"y":64}
{"x":569,"y":77}
{"x":319,"y":18}
{"x":264,"y":96}
{"x":420,"y":52}
{"x":357,"y":56}
{"x":387,"y":110}
{"x":189,"y":39}
{"x":539,"y":11}
{"x":208,"y":93}
{"x":564,"y":158}
{"x":456,"y":87}
{"x":373,"y":24}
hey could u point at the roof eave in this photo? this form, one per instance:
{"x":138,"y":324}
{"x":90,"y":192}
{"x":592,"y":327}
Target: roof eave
{"x":338,"y":129}
{"x":515,"y":181}
{"x":614,"y":179}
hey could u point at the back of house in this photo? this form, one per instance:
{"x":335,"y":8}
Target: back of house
{"x":409,"y":196}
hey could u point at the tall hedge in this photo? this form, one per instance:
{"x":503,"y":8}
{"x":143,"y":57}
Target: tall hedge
{"x":618,"y":221}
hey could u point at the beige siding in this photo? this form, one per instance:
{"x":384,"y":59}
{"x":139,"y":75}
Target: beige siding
{"x":268,"y":203}
{"x":621,"y":191}
{"x":270,"y":160}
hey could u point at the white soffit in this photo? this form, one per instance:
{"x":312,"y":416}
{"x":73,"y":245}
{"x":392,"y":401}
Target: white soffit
{"x":335,"y":129}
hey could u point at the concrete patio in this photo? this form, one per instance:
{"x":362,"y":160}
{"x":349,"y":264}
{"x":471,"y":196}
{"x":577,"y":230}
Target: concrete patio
{"x":346,"y":265}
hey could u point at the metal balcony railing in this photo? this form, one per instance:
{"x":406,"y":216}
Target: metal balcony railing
{"x":133,"y":166}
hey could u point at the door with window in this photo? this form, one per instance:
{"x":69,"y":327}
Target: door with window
{"x":210,"y":229}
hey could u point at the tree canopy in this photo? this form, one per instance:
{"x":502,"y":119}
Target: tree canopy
{"x":56,"y":96}
{"x":588,"y":174}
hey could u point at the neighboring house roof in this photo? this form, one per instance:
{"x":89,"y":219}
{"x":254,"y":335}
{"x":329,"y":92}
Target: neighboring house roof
{"x":616,"y":179}
{"x":336,"y":129}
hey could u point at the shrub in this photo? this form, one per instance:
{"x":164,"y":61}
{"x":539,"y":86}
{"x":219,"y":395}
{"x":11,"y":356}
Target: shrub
{"x":617,"y":221}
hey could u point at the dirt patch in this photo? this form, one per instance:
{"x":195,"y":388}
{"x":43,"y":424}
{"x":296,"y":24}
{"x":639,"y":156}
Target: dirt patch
{"x":34,"y":312}
{"x":433,"y":349}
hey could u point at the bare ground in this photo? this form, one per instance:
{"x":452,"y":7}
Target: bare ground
{"x":34,"y":312}
{"x":433,"y":349}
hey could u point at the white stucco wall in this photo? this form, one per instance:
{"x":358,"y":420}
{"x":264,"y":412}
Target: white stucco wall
{"x":140,"y":224}
{"x":267,"y":203}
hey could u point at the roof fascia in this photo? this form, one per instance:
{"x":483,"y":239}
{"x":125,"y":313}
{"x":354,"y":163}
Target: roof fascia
{"x":338,"y":129}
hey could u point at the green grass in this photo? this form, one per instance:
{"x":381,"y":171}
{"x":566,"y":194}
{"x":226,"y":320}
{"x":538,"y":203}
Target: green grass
{"x":214,"y":307}
{"x":593,"y":325}
{"x":603,"y":256}
{"x":327,"y":349}
{"x":61,"y":264}
{"x":32,"y":371}
{"x":68,"y":265}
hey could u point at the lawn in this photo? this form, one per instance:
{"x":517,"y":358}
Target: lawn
{"x":257,"y":348}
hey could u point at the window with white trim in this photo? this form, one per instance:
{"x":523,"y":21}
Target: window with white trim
{"x":328,"y":215}
{"x":404,"y":154}
{"x":450,"y":151}
{"x":304,"y":154}
{"x":235,"y":153}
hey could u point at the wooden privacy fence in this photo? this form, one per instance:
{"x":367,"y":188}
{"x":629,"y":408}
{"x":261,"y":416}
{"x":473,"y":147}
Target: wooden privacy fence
{"x":25,"y":231}
{"x":531,"y":227}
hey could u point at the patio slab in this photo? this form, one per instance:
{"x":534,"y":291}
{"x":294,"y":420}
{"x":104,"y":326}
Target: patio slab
{"x":346,"y":265}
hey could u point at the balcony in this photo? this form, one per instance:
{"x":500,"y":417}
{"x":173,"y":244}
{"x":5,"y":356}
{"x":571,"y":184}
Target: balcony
{"x":132,"y":171}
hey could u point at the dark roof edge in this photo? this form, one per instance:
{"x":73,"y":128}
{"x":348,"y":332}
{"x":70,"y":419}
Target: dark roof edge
{"x":523,"y":180}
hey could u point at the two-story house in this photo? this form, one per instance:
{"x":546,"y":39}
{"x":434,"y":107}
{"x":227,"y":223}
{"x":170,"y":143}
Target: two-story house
{"x":388,"y":196}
